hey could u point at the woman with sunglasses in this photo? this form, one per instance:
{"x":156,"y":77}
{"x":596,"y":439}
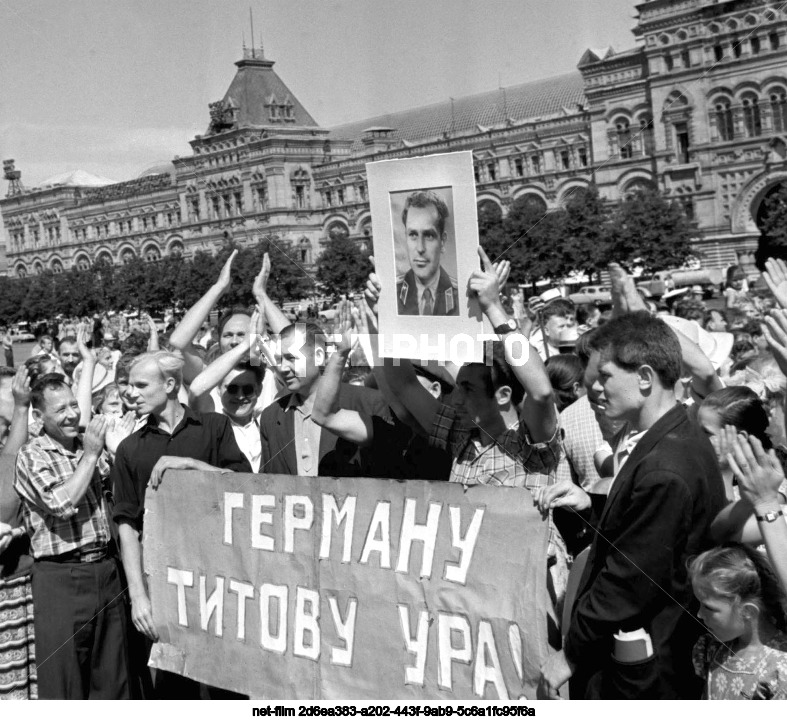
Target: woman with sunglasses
{"x":232,"y":385}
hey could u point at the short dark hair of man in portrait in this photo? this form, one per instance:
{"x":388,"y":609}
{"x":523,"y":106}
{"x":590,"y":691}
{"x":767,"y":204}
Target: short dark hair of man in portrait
{"x":426,"y":289}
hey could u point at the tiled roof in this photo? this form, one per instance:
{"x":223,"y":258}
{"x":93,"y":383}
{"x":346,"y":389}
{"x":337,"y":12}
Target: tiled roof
{"x":539,"y":98}
{"x":254,"y":86}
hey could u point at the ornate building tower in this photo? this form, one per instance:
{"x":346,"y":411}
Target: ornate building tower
{"x":699,"y":109}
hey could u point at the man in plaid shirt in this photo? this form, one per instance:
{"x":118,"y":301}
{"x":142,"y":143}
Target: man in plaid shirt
{"x":490,"y":441}
{"x":78,"y":597}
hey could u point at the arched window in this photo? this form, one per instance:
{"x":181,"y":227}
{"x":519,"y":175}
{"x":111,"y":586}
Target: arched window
{"x":751,"y":116}
{"x":646,"y":133}
{"x":127,"y":256}
{"x":38,"y":268}
{"x":638,"y":185}
{"x":779,"y":110}
{"x":57,"y":266}
{"x":723,"y":117}
{"x":152,"y":253}
{"x":104,"y":258}
{"x":623,"y":133}
{"x":300,"y":188}
{"x":83,"y":263}
{"x":530,"y":201}
{"x":305,"y":251}
{"x":176,"y":249}
{"x":21,"y":271}
{"x":489,"y":213}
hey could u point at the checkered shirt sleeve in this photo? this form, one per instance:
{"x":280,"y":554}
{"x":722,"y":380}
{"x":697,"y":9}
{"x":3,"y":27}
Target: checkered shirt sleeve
{"x":54,"y":523}
{"x":40,"y":481}
{"x":514,"y":446}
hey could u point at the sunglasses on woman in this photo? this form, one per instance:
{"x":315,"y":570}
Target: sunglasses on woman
{"x":234,"y":389}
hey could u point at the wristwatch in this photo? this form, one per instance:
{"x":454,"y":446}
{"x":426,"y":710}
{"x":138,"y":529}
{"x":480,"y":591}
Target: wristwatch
{"x":769,"y":517}
{"x":510,"y":326}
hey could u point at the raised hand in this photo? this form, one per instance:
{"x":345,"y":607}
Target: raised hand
{"x":95,"y":435}
{"x":83,"y":336}
{"x":625,"y":298}
{"x":20,"y":388}
{"x":775,"y":331}
{"x":225,"y":276}
{"x":118,"y":429}
{"x":776,"y":278}
{"x":483,"y":283}
{"x":148,"y":321}
{"x":502,"y":270}
{"x":260,"y":286}
{"x":758,"y":471}
{"x":372,"y":294}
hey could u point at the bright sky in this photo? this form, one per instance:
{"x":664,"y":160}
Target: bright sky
{"x":115,"y":87}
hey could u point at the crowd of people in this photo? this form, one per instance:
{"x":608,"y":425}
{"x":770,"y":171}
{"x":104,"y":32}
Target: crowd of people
{"x":652,"y":440}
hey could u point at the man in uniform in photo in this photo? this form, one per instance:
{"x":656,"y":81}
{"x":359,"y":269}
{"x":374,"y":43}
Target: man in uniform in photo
{"x":426,"y":289}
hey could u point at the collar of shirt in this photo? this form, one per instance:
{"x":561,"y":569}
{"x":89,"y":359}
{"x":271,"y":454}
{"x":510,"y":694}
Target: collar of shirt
{"x":303,"y":406}
{"x":252,"y":422}
{"x":420,"y":287}
{"x":625,"y":448}
{"x":189,"y":416}
{"x":47,"y":443}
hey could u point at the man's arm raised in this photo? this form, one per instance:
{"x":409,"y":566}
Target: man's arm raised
{"x":539,"y":413}
{"x":188,"y":327}
{"x":276,"y":319}
{"x":351,"y":425}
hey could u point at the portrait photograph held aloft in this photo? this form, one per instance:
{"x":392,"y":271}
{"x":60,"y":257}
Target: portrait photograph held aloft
{"x":425,"y":237}
{"x":425,"y":248}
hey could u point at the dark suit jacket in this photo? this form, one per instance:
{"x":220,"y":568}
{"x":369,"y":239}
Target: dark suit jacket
{"x":446,"y":302}
{"x":337,"y":457}
{"x":656,"y":517}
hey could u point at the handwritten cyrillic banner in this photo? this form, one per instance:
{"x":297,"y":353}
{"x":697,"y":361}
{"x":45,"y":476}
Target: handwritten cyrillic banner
{"x":324,"y":588}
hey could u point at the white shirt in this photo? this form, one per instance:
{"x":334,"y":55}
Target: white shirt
{"x":623,"y":450}
{"x":249,"y":441}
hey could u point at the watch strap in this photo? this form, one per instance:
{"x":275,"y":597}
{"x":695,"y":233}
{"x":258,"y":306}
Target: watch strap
{"x":769,"y":517}
{"x":510,"y":326}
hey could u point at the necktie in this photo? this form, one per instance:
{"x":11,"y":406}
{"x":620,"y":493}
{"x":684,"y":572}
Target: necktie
{"x":426,"y":302}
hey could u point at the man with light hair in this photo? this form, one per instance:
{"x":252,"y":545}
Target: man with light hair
{"x":174,"y":436}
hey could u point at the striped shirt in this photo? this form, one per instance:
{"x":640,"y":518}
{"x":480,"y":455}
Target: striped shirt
{"x":54,"y":523}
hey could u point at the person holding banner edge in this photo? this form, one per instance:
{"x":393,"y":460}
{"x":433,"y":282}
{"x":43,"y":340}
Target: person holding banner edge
{"x":474,"y":429}
{"x":174,"y":436}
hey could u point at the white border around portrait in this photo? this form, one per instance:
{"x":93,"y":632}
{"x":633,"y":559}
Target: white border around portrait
{"x":443,"y":338}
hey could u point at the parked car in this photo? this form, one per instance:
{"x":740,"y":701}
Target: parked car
{"x":594,"y":294}
{"x":21,"y":333}
{"x":664,"y":281}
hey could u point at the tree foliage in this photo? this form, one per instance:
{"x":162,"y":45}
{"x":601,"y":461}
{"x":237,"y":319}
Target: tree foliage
{"x":342,"y":267}
{"x":153,"y":286}
{"x":649,"y":230}
{"x":589,"y":233}
{"x":773,"y":243}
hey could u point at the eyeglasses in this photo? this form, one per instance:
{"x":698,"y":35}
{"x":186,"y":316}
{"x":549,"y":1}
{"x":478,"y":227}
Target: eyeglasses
{"x":234,"y":388}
